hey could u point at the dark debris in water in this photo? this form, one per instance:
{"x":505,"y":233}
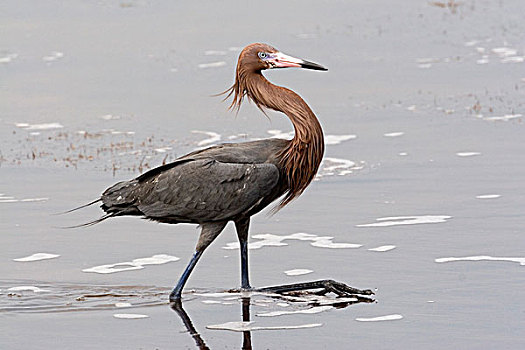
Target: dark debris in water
{"x":107,"y":149}
{"x":450,"y":4}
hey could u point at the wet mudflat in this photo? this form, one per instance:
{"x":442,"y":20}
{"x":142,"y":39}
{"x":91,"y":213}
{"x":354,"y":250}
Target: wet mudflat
{"x":420,"y":196}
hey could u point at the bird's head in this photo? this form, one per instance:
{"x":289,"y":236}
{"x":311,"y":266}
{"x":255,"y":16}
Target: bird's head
{"x":257,"y":57}
{"x":253,"y":59}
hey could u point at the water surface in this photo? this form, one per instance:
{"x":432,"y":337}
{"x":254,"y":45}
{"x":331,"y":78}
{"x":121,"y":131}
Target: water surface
{"x":423,"y":108}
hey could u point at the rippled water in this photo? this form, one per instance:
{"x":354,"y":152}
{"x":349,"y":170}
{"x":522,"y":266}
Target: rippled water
{"x":22,"y":297}
{"x":420,"y":196}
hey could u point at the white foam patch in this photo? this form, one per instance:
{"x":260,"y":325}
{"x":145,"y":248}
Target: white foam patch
{"x":9,"y":199}
{"x":8,"y":58}
{"x":504,"y":51}
{"x":27,"y":289}
{"x":122,"y":305}
{"x":306,"y":35}
{"x":504,"y":118}
{"x":162,"y":149}
{"x":214,"y":53}
{"x":328,"y":139}
{"x":383,"y":248}
{"x":337,"y":166}
{"x":53,"y":56}
{"x":313,"y":310}
{"x":270,"y":240}
{"x":521,"y":261}
{"x":238,"y":136}
{"x":407,"y":220}
{"x":37,"y":257}
{"x":326,"y":242}
{"x":217,"y":295}
{"x":136,"y":264}
{"x":213,"y":137}
{"x":427,"y":60}
{"x":43,"y":126}
{"x":248,"y":326}
{"x":212,"y":65}
{"x":43,"y":199}
{"x":117,"y":132}
{"x":394,"y":134}
{"x":483,"y":60}
{"x":130,"y":316}
{"x":337,"y":163}
{"x":488,"y":196}
{"x":278,"y":134}
{"x":337,"y":139}
{"x":467,"y":154}
{"x":297,"y":272}
{"x":109,"y":117}
{"x":513,"y":59}
{"x":380,"y":318}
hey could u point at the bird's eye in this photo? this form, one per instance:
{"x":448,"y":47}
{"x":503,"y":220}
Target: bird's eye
{"x":262,"y":55}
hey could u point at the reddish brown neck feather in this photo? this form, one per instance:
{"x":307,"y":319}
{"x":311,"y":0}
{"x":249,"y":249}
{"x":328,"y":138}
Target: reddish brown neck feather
{"x":301,"y":157}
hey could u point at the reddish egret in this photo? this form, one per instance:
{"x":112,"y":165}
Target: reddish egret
{"x":231,"y":182}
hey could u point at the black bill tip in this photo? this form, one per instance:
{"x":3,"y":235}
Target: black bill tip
{"x":312,"y":65}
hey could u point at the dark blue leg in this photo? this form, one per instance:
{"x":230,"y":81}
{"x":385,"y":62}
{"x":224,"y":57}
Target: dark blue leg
{"x":245,"y":281}
{"x":177,"y":291}
{"x":242,"y":233}
{"x":209,"y":232}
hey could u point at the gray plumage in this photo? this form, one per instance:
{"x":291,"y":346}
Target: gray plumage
{"x":219,"y":183}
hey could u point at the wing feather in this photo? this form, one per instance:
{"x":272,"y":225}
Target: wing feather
{"x":206,"y":190}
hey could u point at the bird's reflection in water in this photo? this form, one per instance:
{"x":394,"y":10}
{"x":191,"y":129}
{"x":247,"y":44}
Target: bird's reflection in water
{"x":201,"y":344}
{"x":177,"y":307}
{"x":246,"y":335}
{"x":337,"y":303}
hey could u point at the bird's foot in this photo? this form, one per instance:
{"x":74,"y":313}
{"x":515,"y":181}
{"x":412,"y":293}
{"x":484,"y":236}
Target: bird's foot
{"x":246,"y":288}
{"x":242,"y":289}
{"x":321,"y":287}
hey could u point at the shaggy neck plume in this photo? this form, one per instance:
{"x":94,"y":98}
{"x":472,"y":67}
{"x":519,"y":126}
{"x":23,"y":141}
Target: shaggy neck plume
{"x":301,"y":157}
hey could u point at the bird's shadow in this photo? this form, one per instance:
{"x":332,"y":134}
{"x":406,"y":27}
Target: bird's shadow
{"x":312,"y":299}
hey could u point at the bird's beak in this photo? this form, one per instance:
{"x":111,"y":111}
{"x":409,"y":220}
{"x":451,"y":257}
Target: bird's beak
{"x":280,"y":60}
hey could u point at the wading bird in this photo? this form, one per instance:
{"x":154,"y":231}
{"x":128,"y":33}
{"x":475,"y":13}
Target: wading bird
{"x":230,"y":182}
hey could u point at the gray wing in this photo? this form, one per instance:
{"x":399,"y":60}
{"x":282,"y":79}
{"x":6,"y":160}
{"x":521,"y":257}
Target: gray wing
{"x":205,"y":190}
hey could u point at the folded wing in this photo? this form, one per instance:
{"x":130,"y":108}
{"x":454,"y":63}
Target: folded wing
{"x":196,"y":191}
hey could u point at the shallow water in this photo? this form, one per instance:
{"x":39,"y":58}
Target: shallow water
{"x":420,"y":196}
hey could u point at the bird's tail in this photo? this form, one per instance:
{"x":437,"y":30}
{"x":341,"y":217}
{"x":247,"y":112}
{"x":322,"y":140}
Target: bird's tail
{"x":94,"y":222}
{"x":82,"y":206}
{"x":90,"y":223}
